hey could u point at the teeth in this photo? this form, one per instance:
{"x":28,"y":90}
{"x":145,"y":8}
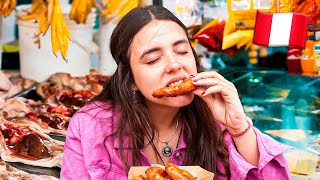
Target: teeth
{"x":176,"y":83}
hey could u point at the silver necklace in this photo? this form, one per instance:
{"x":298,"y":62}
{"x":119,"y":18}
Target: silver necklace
{"x":167,"y":149}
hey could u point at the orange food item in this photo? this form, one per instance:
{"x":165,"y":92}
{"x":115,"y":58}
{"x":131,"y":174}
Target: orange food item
{"x":177,"y":174}
{"x":156,"y":173}
{"x":171,"y":172}
{"x":185,"y":87}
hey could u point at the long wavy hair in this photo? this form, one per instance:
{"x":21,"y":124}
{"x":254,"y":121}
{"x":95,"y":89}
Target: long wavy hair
{"x":204,"y":139}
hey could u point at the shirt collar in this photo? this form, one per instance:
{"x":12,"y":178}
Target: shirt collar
{"x":127,"y":145}
{"x":182,"y":141}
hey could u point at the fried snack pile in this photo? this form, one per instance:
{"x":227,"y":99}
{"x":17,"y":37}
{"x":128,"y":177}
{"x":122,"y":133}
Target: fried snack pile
{"x":80,"y":9}
{"x":310,"y":8}
{"x":174,"y":90}
{"x":171,"y":172}
{"x":46,"y":13}
{"x":7,"y":6}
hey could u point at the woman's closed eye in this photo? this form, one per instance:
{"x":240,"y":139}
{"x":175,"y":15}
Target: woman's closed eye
{"x":182,"y":52}
{"x":153,"y":60}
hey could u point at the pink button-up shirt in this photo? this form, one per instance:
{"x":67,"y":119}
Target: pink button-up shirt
{"x":88,"y":156}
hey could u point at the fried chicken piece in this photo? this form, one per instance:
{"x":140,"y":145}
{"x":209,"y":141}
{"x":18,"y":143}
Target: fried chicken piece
{"x":156,"y":173}
{"x":177,"y":174}
{"x":185,"y":87}
{"x":186,"y":173}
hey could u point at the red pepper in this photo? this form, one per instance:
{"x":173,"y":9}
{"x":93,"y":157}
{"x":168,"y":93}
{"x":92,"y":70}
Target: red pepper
{"x":32,"y":115}
{"x":212,"y":37}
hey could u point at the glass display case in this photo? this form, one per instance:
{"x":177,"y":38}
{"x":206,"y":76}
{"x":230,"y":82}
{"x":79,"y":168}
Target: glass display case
{"x":286,"y":107}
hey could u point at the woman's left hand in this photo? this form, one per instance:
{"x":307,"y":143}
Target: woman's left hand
{"x":222,"y":98}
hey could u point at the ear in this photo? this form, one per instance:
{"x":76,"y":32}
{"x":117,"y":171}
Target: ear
{"x":134,"y":87}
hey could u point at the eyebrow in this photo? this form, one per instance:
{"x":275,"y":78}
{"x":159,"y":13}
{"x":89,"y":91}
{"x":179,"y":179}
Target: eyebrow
{"x":158,"y":49}
{"x":180,"y":42}
{"x":149,"y":51}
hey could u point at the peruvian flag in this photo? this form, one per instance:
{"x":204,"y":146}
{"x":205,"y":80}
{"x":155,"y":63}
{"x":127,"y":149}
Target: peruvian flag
{"x":281,"y":29}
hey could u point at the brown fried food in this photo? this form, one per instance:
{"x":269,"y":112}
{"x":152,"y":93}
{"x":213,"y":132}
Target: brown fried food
{"x":186,"y":173}
{"x":177,"y":174}
{"x":156,"y":173}
{"x":172,"y":91}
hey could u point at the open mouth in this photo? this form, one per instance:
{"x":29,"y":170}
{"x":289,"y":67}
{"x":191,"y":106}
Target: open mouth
{"x":175,"y":87}
{"x":177,"y":83}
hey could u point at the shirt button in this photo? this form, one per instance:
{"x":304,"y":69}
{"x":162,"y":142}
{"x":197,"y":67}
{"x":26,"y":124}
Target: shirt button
{"x":178,"y":156}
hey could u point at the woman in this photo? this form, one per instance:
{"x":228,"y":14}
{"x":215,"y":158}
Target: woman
{"x":126,"y":126}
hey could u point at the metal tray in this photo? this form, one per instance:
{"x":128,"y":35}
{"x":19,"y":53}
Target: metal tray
{"x":54,"y":171}
{"x":59,"y":137}
{"x":29,"y":94}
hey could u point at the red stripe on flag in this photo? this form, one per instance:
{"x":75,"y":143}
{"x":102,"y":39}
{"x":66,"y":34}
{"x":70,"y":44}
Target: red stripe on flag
{"x":262,"y":28}
{"x":299,"y":30}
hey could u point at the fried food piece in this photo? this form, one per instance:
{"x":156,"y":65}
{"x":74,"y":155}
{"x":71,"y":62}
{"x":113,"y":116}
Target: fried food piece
{"x":156,"y":173}
{"x":139,"y":178}
{"x":186,"y":173}
{"x":172,"y":91}
{"x":177,"y":174}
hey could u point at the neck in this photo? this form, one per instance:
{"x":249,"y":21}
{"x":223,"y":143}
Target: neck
{"x":164,"y":117}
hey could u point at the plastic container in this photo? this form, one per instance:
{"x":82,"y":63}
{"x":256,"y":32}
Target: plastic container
{"x":39,"y":63}
{"x":107,"y":64}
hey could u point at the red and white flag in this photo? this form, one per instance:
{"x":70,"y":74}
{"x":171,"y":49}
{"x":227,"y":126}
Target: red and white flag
{"x":281,"y":29}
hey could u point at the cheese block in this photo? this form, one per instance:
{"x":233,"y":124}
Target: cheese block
{"x":290,"y":134}
{"x":301,"y":162}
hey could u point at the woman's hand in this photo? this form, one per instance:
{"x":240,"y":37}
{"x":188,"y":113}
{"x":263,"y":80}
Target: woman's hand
{"x":222,"y":98}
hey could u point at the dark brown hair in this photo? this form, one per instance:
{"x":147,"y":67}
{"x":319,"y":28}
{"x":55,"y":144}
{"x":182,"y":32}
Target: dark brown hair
{"x":204,"y":139}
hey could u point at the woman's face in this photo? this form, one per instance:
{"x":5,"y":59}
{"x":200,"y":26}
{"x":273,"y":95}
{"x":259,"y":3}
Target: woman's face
{"x":160,"y":53}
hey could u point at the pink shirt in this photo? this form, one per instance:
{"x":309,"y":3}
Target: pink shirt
{"x":87,"y":156}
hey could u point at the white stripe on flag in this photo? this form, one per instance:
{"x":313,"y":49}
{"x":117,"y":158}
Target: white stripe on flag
{"x":280,"y":29}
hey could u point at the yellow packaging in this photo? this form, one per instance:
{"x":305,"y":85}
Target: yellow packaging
{"x":286,"y":5}
{"x":196,"y":171}
{"x":242,"y":13}
{"x":242,"y":16}
{"x":238,"y":38}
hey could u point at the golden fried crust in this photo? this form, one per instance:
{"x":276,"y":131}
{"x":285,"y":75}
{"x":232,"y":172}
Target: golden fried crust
{"x":186,"y":173}
{"x":156,"y":173}
{"x":185,"y":87}
{"x":175,"y":173}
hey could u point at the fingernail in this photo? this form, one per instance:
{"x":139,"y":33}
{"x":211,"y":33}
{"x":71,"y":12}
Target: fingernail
{"x":203,"y":93}
{"x":191,"y":76}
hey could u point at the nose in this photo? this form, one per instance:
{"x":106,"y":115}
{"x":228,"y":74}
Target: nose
{"x":173,"y":64}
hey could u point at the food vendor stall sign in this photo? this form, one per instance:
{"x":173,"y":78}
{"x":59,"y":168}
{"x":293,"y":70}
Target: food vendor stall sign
{"x":281,"y":29}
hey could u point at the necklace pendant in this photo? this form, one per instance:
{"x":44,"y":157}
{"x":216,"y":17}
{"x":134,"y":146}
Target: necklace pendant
{"x":167,"y":150}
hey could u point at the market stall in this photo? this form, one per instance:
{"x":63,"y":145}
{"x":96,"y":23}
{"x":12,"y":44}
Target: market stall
{"x":63,"y":56}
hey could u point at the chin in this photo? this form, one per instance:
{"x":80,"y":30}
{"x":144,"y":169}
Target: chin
{"x":178,"y":101}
